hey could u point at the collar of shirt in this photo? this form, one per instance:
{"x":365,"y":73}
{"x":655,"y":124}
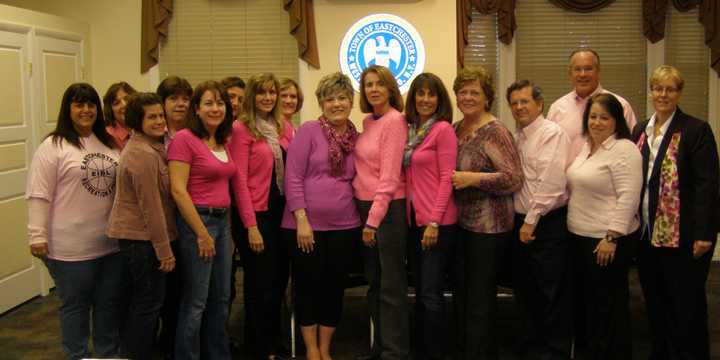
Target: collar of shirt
{"x":155,"y":144}
{"x":609,"y":142}
{"x":119,"y":131}
{"x":650,"y":128}
{"x":527,"y":131}
{"x":579,"y":99}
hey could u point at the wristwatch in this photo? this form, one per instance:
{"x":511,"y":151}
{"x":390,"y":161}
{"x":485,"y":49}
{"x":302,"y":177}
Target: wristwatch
{"x":609,"y":238}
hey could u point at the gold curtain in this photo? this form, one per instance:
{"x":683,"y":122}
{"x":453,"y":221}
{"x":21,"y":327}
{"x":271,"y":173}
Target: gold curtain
{"x":154,"y":27}
{"x":505,"y":10}
{"x":302,"y":27}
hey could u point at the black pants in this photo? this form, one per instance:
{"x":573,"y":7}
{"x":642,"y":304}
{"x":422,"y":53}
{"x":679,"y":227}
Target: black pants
{"x":239,"y":236}
{"x":146,"y":286}
{"x":171,"y":306}
{"x":264,"y":284}
{"x":606,"y":297}
{"x":479,"y":260}
{"x":431,"y":273}
{"x":319,"y":277}
{"x":673,"y":284}
{"x":542,"y":287}
{"x":387,"y":276}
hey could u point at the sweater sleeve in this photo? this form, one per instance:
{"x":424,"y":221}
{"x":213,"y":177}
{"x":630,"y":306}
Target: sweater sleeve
{"x":295,"y":167}
{"x":627,"y":180}
{"x":239,"y":148}
{"x":44,"y":169}
{"x":501,"y":150}
{"x":392,"y":144}
{"x":144,"y":173}
{"x":446,"y":158}
{"x":38,"y":220}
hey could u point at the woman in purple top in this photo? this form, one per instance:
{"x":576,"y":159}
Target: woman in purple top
{"x":200,"y":171}
{"x":429,"y":161}
{"x":321,"y":209}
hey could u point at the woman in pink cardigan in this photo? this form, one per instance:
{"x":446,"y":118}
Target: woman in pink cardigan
{"x":380,"y":192}
{"x":429,"y":161}
{"x":258,"y":146}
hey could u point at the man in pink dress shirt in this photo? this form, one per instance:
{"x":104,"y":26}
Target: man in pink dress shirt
{"x":567,"y":111}
{"x":541,"y":276}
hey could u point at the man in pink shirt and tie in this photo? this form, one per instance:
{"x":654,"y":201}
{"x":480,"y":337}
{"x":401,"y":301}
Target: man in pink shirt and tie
{"x":567,"y":111}
{"x":541,"y":275}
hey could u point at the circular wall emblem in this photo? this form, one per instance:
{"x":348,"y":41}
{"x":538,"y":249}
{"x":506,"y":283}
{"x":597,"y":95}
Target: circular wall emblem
{"x":383,"y":39}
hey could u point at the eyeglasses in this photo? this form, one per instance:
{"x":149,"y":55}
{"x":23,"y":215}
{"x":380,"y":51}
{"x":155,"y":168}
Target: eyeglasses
{"x":667,"y":90}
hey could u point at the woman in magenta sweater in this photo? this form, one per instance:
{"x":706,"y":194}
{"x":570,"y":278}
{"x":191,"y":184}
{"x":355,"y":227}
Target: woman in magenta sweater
{"x":380,"y":192}
{"x":259,"y":144}
{"x":429,"y":161}
{"x":321,"y":212}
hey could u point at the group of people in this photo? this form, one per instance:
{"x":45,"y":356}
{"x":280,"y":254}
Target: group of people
{"x":138,"y":210}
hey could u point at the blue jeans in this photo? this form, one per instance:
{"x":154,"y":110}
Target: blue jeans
{"x":431,"y":272}
{"x":84,"y":286}
{"x":146,"y":284}
{"x":205,"y":290}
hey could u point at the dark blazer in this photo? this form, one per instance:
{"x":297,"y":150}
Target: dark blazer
{"x":698,"y":175}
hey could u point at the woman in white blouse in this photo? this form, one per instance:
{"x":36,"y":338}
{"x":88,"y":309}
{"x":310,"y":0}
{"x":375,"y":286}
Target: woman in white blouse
{"x":605,"y":182}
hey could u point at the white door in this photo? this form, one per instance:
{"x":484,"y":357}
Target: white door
{"x":20,"y":274}
{"x":58,"y":63}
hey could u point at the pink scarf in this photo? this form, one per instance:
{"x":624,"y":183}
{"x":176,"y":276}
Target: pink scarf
{"x":339,"y":145}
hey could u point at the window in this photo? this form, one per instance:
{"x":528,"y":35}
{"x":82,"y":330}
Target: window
{"x":685,"y":49}
{"x":212,"y":39}
{"x":547,"y":34}
{"x":482,"y":48}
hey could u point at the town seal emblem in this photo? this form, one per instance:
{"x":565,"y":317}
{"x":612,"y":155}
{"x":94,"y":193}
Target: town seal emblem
{"x":383,"y":39}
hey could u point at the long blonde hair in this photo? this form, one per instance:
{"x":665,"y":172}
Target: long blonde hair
{"x":255,"y":85}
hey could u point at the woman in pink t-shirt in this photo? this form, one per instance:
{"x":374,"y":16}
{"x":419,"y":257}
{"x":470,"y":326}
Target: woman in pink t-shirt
{"x":200,"y":171}
{"x":115,"y":103}
{"x":70,"y":192}
{"x":429,"y":161}
{"x":259,"y":144}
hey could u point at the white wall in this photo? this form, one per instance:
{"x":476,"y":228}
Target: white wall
{"x":114,"y":36}
{"x":333,"y":18}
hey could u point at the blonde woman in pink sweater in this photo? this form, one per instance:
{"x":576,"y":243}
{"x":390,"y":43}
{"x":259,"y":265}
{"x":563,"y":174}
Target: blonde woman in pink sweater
{"x":380,"y":192}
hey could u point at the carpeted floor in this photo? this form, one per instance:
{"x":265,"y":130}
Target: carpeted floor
{"x":32,"y":330}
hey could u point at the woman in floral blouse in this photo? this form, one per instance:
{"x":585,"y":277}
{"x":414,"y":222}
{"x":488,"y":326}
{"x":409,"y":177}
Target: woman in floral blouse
{"x":488,"y":173}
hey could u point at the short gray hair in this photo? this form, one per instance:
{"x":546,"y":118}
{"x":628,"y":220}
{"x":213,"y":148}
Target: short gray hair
{"x":330,"y":84}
